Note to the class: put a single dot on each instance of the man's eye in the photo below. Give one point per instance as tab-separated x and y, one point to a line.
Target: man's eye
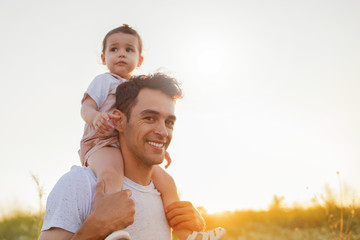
170	123
149	118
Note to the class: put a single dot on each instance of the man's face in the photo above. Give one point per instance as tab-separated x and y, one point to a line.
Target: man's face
148	132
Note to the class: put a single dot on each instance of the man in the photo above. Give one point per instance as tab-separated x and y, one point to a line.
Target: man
77	208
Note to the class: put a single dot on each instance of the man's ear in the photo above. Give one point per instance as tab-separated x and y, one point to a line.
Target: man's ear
119	121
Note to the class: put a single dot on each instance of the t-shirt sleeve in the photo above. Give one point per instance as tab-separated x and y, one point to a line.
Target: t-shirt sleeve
99	89
68	204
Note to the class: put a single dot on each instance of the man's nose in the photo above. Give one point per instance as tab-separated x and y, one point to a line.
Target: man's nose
161	129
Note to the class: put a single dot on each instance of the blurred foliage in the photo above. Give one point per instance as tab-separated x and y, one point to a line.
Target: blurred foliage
323	221
316	223
20	226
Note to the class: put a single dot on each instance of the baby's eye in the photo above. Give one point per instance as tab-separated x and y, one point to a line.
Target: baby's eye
113	50
130	50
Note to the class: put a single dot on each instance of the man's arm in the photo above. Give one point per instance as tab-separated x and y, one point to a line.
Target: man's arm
56	233
104	219
91	229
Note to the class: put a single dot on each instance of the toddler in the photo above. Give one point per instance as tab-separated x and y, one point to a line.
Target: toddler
99	147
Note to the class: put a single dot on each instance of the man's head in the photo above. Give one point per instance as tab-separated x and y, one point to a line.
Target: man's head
126	93
146	105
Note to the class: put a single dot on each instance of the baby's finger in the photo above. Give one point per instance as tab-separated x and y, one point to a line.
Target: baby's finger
105	117
113	116
108	126
99	129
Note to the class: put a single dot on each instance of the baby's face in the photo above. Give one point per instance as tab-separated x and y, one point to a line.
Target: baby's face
122	55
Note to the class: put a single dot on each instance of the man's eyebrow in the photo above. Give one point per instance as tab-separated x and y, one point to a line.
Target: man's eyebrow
150	111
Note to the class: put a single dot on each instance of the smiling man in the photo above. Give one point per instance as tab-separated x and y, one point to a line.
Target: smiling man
78	208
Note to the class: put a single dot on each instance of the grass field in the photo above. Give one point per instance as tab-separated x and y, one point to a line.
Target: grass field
316	223
327	220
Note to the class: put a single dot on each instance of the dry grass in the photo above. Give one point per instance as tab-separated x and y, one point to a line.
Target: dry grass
327	219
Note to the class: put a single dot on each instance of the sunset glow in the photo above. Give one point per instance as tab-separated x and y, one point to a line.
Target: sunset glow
271	102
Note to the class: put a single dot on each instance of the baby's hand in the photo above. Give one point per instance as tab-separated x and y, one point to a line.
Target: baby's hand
102	122
168	159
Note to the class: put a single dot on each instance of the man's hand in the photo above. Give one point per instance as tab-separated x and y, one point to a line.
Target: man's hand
116	209
183	215
111	212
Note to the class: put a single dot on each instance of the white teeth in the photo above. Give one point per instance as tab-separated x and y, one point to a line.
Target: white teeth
159	145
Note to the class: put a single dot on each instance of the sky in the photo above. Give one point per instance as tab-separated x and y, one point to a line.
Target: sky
271	103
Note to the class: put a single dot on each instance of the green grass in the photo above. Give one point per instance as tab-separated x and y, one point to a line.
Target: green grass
20	226
316	223
329	220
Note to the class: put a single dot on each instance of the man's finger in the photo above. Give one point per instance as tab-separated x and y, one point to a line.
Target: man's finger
186	225
178	211
178	204
176	220
128	192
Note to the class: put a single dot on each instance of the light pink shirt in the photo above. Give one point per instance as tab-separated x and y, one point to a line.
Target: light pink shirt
102	90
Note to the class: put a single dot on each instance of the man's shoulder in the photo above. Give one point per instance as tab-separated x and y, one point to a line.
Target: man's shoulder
77	177
78	172
77	185
70	201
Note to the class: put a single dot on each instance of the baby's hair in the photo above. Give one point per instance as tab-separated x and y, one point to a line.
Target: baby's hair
123	29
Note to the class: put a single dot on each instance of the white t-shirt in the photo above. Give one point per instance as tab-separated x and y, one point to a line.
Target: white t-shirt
70	203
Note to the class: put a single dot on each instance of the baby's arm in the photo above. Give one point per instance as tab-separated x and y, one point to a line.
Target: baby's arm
91	115
106	162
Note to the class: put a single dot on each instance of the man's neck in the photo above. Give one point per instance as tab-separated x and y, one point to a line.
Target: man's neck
137	171
138	174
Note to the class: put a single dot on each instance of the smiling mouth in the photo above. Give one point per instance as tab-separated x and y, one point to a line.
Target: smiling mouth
157	145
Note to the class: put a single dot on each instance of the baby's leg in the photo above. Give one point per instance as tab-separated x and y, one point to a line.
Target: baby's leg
165	184
107	164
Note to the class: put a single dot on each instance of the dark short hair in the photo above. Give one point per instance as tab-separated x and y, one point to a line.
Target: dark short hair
127	92
123	29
